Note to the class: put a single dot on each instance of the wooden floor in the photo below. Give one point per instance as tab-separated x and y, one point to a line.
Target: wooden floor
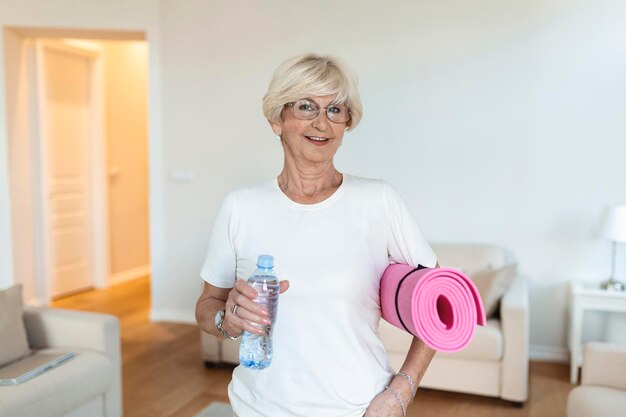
163	373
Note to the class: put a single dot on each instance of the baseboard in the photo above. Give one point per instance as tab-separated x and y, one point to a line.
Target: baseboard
173	316
542	353
130	274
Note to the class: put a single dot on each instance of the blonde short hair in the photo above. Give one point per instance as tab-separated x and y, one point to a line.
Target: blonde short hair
311	75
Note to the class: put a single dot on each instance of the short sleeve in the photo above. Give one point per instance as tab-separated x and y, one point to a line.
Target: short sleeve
221	259
405	243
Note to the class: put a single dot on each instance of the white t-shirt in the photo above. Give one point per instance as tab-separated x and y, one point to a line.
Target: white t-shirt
328	357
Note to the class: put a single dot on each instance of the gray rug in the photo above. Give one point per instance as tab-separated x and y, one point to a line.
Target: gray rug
216	410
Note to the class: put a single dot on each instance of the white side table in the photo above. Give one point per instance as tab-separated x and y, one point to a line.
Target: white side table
588	298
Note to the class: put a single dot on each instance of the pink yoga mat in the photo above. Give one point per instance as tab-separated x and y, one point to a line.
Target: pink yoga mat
440	306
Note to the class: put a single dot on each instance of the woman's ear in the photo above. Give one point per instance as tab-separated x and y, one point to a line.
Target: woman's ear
277	128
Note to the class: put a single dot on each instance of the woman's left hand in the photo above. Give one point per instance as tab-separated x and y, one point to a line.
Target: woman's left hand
383	405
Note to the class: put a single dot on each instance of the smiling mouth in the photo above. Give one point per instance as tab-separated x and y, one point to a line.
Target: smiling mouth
317	139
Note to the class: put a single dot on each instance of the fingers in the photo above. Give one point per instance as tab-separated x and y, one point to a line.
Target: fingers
244	289
250	316
250	319
244	297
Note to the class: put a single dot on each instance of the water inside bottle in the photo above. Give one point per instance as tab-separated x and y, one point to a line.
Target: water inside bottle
256	351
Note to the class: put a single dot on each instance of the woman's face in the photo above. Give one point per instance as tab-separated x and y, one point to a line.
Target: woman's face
310	141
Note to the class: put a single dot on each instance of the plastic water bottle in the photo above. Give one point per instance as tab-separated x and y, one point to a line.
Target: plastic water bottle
255	351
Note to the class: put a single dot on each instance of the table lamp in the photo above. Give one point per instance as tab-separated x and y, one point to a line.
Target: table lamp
614	229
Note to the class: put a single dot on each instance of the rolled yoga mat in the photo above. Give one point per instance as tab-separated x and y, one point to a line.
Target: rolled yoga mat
441	306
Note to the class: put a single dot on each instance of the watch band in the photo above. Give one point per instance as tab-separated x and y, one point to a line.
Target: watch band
222	330
226	334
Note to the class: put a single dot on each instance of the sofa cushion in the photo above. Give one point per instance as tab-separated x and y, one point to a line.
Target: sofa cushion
591	401
61	389
487	343
492	284
472	257
13	341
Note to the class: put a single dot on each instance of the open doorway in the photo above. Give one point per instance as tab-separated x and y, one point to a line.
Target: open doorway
78	159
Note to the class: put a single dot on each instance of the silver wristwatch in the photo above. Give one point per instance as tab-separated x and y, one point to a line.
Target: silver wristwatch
219	320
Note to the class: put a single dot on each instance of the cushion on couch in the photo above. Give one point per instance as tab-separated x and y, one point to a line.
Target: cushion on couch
492	284
471	258
13	341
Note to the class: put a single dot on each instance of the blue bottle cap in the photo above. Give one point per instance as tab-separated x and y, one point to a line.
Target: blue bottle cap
265	261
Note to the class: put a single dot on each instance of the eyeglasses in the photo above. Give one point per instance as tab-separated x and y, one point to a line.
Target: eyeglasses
307	109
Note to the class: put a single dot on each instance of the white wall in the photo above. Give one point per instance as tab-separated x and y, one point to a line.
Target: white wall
498	121
20	176
6	247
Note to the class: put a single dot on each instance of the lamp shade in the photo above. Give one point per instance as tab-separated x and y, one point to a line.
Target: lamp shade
614	223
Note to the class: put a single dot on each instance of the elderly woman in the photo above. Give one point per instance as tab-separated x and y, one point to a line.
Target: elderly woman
332	235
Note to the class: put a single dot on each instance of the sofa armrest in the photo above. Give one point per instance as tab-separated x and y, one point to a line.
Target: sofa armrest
59	328
515	318
604	364
69	329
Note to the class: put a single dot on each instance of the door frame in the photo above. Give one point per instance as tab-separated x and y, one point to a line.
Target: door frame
97	161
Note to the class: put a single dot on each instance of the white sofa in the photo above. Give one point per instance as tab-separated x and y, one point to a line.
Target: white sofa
494	364
88	385
603	387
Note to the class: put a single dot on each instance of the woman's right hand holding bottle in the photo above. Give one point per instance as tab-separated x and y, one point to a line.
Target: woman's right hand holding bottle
243	313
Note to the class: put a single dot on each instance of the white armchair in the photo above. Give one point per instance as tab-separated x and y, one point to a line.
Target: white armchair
89	385
495	363
603	387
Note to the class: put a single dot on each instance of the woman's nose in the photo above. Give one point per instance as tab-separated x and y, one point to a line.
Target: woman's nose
321	121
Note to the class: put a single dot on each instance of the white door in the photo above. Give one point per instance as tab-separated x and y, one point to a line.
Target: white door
65	131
